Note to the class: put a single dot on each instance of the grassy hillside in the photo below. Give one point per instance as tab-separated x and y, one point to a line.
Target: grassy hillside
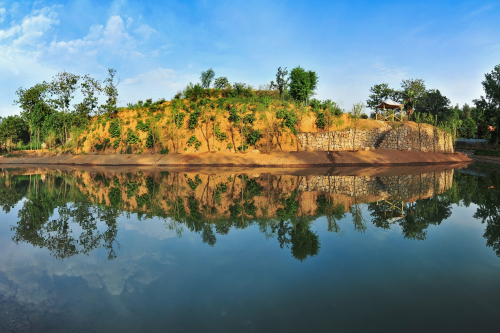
210	124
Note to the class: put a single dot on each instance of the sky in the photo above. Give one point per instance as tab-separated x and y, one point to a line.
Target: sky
158	47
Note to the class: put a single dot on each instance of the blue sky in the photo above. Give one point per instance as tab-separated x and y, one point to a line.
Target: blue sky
160	46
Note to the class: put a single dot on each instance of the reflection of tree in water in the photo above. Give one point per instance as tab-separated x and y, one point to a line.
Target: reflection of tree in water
333	212
303	241
413	217
488	210
213	205
36	227
12	190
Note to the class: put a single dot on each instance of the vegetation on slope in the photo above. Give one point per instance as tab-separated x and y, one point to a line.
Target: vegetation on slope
217	115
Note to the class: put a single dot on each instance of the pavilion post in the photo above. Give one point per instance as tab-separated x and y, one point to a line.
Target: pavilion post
384	112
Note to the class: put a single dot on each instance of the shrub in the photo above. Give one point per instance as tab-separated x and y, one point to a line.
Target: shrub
315	104
179	119
194	92
194	141
193	119
149	140
253	136
164	150
234	117
141	126
289	119
245	147
249	118
132	137
115	129
219	135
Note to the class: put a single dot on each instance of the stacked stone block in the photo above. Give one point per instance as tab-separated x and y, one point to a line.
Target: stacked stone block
427	139
402	187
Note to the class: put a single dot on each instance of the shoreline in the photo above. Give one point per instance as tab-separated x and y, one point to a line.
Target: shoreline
321	159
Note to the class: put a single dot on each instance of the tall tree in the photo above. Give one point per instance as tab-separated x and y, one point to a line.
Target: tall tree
111	91
412	92
490	103
435	103
90	88
12	130
207	77
33	104
379	93
221	83
302	84
467	110
63	87
282	80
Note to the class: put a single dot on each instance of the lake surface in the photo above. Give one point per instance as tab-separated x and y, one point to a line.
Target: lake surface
99	250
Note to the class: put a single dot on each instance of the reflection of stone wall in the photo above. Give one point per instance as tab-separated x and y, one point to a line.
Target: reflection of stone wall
404	137
403	187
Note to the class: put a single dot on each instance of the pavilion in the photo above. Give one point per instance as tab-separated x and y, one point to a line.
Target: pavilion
391	105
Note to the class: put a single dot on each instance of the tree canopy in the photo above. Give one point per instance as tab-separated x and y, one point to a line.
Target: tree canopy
302	83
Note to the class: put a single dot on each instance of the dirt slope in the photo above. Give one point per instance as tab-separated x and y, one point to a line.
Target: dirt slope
377	157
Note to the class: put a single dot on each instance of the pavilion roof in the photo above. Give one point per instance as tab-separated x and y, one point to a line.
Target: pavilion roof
389	104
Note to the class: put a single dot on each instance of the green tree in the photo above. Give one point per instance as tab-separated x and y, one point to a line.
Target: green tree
282	80
467	110
412	92
435	103
12	130
207	77
64	86
379	93
33	104
302	83
221	83
111	91
489	105
470	128
90	88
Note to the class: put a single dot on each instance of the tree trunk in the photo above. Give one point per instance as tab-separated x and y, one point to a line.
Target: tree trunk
205	135
177	137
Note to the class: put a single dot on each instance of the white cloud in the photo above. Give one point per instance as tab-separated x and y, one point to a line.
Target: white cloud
129	22
111	39
36	25
145	31
10	32
23	266
2	14
157	83
114	33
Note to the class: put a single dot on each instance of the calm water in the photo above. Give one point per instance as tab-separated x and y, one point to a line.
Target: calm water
165	251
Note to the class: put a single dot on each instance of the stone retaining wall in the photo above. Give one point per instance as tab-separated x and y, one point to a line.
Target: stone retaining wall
427	138
401	187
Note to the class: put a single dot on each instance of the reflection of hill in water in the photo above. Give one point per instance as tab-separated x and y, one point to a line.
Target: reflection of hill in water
257	195
284	206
